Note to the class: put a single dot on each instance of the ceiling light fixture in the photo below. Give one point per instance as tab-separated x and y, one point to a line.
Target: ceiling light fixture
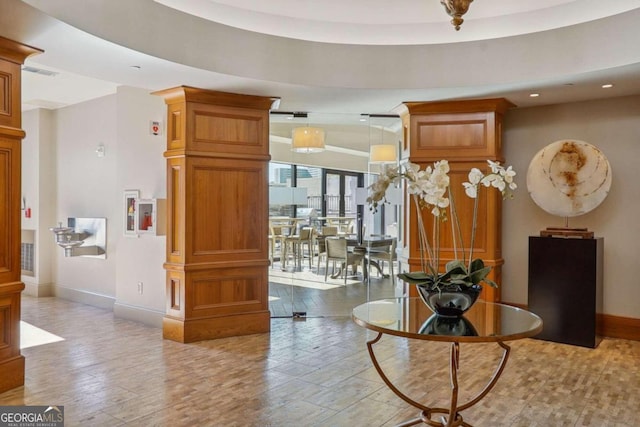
607	86
383	153
534	95
307	140
455	9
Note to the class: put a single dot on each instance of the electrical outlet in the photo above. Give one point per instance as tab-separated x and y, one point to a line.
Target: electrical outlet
140	288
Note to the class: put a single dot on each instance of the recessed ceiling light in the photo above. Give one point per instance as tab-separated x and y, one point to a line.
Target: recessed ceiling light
607	86
534	95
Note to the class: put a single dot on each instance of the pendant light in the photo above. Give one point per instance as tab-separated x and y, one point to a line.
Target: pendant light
307	139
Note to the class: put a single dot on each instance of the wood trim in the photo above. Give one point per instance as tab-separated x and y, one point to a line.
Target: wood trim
498	105
196	266
227	99
186	331
193	153
608	325
10	132
12	370
15	52
627	328
5	93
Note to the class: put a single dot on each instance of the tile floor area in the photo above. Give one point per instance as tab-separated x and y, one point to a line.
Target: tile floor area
307	291
312	372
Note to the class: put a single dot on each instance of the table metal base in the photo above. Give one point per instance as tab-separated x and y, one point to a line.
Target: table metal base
365	270
444	417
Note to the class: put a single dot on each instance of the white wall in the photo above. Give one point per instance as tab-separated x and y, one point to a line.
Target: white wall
141	166
612	125
46	199
78	183
39	193
86	188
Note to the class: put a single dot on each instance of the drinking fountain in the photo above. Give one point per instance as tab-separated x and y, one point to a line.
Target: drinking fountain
68	244
82	237
60	232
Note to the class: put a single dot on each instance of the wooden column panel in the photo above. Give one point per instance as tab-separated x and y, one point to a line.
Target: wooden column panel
217	201
223	201
467	134
12	56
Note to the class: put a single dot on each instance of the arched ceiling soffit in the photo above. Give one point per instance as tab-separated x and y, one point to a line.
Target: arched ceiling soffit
150	27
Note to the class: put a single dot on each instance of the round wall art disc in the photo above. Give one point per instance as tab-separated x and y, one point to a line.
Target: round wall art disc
569	178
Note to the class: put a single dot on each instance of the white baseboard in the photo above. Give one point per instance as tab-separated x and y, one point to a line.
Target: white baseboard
84	297
143	315
38	290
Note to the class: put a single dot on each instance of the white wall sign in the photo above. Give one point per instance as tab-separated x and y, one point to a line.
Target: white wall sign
155	127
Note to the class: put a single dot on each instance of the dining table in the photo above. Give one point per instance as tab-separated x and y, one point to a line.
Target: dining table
364	246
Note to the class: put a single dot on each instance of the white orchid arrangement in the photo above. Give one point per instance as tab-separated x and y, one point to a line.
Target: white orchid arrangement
430	189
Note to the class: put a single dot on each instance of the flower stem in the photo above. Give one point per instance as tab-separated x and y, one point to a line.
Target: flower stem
436	241
473	227
426	254
456	230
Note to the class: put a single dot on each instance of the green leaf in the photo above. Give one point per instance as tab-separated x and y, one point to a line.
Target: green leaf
490	282
476	264
456	274
453	264
479	275
417	277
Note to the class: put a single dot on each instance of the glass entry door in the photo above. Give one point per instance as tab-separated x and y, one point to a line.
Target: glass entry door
315	190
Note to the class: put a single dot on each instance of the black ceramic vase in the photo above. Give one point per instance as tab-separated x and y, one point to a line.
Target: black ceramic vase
449	301
449	326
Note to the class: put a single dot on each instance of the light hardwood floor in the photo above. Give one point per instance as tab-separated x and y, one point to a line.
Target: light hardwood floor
311	372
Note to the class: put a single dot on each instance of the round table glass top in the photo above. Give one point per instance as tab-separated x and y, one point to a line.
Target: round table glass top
411	318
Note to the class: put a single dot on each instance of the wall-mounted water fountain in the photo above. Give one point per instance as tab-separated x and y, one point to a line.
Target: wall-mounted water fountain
82	237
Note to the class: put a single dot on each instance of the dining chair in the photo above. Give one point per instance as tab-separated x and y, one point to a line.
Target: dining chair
337	250
327	231
385	254
296	244
276	243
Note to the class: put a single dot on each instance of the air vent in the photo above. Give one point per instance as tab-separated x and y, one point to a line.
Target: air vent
40	71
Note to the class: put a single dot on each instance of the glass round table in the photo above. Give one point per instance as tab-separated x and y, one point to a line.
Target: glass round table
410	318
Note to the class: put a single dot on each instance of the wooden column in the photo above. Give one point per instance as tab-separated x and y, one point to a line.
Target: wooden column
467	134
12	56
217	214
